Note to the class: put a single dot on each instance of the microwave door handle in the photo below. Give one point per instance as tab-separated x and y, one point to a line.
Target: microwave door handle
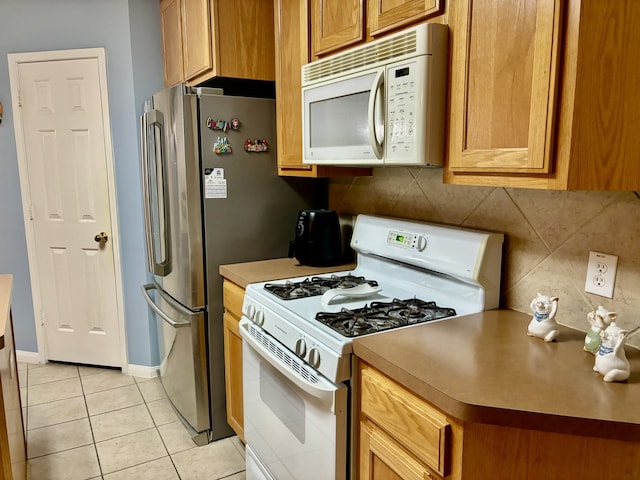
375	97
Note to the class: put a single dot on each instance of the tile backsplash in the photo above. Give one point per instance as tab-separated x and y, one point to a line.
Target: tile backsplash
548	234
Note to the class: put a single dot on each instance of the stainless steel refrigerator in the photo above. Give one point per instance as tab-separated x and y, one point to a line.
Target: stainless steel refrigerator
212	196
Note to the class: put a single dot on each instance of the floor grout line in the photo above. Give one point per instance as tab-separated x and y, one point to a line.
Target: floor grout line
155	426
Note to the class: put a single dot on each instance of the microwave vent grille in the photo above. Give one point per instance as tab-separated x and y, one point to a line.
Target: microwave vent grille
380	51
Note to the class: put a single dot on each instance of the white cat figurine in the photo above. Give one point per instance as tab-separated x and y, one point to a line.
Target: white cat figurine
543	324
599	319
611	360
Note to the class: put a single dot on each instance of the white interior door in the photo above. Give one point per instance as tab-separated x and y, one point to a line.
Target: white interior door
64	140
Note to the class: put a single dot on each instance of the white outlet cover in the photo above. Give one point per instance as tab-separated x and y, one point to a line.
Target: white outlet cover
601	274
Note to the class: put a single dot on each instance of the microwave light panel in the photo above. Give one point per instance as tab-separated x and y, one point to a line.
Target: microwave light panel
402	45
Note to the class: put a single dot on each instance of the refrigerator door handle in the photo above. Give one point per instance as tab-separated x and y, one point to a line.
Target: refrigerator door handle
161	314
154	196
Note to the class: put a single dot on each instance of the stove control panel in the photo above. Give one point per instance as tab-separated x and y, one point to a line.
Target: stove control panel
407	240
306	343
255	314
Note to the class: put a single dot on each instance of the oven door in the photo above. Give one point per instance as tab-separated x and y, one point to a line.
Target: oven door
295	421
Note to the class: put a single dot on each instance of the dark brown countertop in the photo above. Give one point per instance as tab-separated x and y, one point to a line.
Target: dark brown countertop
484	368
245	273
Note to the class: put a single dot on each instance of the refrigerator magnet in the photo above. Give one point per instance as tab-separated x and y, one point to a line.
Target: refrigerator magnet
217	124
233	124
222	145
258	145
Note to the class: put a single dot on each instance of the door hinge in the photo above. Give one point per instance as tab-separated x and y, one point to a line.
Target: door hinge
41	318
31	212
19	99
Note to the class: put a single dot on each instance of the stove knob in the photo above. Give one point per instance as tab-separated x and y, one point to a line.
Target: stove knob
259	318
301	347
251	311
314	357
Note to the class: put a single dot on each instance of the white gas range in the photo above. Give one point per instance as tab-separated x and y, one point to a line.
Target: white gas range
298	333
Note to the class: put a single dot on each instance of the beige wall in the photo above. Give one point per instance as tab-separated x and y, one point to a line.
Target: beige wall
548	234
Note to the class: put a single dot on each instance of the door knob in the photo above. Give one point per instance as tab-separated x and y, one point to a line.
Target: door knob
101	237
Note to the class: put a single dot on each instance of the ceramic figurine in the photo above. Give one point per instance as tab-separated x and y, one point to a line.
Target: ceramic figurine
543	324
611	360
599	320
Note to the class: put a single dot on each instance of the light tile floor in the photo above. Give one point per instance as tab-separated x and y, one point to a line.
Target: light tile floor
86	423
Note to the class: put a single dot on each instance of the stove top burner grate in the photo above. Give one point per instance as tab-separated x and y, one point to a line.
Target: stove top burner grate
314	286
379	316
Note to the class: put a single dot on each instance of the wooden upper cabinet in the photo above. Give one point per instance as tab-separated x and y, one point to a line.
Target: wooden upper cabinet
292	47
171	20
503	85
202	39
544	94
336	24
196	38
385	15
244	39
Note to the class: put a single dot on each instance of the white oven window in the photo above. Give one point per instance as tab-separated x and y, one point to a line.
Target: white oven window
296	428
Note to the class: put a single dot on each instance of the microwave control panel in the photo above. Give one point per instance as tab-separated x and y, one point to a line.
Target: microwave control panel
405	109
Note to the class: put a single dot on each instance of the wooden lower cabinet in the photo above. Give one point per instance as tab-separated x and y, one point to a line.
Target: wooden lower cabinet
13	453
383	458
402	436
232	299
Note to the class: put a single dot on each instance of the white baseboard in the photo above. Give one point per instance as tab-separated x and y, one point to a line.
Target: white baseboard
28	357
140	371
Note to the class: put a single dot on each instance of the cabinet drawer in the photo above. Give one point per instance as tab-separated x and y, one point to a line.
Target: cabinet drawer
232	296
415	424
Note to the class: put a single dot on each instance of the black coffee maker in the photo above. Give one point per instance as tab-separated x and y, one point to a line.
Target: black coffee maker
318	241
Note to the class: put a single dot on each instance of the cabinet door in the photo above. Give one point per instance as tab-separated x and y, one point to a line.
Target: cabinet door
292	47
12	437
387	15
412	422
244	39
292	51
336	24
196	34
233	374
381	458
232	299
171	21
504	85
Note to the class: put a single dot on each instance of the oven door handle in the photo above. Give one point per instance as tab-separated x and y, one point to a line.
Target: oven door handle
321	390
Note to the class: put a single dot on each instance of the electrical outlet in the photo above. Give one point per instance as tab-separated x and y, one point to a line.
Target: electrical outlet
601	274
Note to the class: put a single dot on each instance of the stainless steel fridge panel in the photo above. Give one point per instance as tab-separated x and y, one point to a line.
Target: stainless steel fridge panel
190	233
171	180
183	358
254	220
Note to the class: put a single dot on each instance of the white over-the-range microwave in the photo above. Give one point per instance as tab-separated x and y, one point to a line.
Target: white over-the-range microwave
378	104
